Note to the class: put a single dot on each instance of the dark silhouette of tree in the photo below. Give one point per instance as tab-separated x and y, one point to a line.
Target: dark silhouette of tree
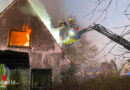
114	66
81	51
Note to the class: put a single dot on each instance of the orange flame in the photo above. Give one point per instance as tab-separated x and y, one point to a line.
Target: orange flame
21	38
27	29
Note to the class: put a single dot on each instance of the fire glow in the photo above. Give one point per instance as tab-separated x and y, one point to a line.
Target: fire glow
20	37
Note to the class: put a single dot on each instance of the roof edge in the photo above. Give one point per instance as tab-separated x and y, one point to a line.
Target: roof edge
8	7
14	1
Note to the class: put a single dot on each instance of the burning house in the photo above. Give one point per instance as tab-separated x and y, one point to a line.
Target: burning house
24	35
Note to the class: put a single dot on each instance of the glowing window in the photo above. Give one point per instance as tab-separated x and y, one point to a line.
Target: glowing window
20	38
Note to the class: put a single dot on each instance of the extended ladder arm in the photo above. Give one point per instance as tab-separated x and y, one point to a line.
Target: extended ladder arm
99	28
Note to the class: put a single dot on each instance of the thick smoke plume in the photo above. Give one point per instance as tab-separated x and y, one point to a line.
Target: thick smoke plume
49	12
56	10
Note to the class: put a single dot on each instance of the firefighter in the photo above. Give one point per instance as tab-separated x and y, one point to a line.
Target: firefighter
61	24
71	22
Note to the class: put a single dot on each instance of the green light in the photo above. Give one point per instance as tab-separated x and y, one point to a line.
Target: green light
68	41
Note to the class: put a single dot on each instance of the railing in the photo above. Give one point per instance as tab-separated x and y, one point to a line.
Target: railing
115	37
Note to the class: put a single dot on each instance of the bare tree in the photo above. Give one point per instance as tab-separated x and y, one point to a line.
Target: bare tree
81	51
101	14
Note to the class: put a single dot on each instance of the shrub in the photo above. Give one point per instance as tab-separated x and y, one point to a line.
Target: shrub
102	82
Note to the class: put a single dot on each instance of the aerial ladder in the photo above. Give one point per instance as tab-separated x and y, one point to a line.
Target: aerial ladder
76	34
99	28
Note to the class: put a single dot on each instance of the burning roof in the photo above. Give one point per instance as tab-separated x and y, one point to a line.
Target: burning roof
14	17
18	22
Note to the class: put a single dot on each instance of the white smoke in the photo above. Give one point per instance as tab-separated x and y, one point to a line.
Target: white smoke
39	7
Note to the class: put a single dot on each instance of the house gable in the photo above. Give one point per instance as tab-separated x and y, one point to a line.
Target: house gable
43	47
